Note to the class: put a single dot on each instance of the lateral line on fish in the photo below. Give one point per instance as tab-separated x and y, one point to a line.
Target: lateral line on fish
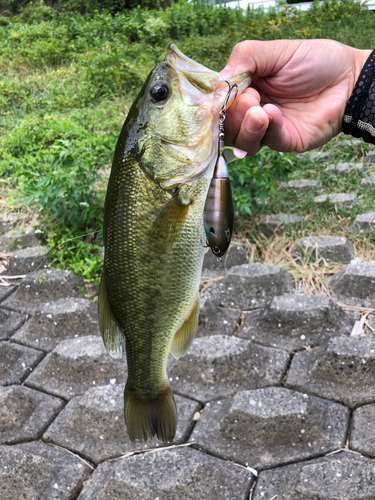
25	277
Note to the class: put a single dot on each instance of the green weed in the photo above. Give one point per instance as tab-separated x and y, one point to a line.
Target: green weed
69	75
253	178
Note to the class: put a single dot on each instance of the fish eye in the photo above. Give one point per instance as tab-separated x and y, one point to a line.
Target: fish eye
216	249
159	91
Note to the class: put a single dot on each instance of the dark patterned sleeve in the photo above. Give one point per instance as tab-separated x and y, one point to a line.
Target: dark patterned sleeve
359	117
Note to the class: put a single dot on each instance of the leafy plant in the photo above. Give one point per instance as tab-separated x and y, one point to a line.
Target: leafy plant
65	193
70	71
81	254
68	206
253	178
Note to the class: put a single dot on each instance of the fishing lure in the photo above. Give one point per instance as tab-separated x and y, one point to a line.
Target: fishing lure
219	208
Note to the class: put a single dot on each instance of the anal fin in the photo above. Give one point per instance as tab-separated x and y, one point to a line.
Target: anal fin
111	332
185	335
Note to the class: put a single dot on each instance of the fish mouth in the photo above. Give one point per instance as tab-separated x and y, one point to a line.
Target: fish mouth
184	62
203	79
204	90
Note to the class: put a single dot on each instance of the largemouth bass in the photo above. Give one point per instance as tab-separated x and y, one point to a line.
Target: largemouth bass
154	233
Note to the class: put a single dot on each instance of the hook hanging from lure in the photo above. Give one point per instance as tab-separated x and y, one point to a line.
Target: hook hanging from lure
219	208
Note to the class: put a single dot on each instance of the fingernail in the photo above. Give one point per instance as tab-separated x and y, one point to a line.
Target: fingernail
239	153
227	72
253	125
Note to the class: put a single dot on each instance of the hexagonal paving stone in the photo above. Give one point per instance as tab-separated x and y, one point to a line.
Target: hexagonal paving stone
272	224
43	286
317	156
235	256
74	366
344	167
370	157
26	260
363	222
347	143
213	266
343	476
355	283
342	369
344	199
9	221
371	324
219	366
10	321
17	239
332	248
94	426
368	181
216	320
55	321
6	291
303	185
249	286
294	321
271	426
176	474
25	413
16	362
362	434
31	471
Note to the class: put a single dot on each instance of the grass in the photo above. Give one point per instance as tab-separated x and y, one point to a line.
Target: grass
68	80
324	218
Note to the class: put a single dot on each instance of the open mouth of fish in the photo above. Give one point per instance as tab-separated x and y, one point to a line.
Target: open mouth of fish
202	88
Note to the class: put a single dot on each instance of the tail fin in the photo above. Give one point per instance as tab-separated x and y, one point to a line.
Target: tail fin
145	418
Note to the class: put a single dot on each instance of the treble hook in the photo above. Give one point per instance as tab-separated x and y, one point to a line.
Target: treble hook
226	100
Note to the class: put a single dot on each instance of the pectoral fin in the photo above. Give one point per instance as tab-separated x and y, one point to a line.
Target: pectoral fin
170	221
185	335
111	332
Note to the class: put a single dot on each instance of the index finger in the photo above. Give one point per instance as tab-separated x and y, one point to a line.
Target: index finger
261	58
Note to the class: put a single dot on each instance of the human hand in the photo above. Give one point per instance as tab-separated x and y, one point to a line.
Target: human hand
298	95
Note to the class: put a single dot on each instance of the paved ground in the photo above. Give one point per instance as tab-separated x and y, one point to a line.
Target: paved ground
276	397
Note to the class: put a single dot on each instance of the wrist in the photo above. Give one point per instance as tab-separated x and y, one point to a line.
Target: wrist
359	117
360	58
